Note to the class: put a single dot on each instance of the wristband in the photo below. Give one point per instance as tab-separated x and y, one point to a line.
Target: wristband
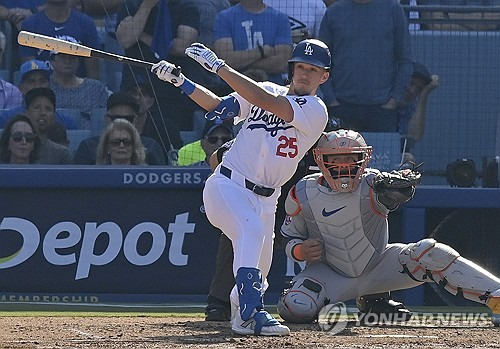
187	86
297	252
261	49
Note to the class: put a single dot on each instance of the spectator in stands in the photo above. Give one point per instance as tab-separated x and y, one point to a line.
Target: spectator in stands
73	92
108	10
16	11
40	108
120	144
149	122
60	20
35	74
251	35
19	143
478	18
305	16
58	134
10	96
213	136
120	105
412	108
208	10
152	30
371	53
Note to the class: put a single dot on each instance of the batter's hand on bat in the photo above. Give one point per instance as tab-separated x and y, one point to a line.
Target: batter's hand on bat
311	250
205	56
166	71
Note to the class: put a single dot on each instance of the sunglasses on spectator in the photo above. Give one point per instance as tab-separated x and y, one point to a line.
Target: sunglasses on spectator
129	118
118	141
214	139
18	136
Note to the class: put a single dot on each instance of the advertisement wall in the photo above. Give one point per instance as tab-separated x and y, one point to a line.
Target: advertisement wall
140	234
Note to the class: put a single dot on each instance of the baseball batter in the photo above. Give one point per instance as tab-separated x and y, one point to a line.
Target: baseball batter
337	222
280	124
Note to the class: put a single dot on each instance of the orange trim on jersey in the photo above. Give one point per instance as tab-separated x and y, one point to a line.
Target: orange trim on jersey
293	196
372	205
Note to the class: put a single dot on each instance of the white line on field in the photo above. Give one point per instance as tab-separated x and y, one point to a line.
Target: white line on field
91	335
395	336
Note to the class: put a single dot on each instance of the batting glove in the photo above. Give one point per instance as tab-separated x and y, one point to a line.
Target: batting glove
165	71
206	57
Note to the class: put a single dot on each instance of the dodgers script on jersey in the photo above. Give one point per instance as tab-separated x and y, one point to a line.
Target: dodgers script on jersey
268	149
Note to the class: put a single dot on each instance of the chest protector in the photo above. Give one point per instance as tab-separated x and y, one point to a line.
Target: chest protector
352	225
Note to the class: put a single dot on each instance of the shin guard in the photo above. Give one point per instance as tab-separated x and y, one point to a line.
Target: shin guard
249	285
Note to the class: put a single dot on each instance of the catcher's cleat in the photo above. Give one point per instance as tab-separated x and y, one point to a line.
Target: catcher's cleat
494	304
217	311
382	310
260	324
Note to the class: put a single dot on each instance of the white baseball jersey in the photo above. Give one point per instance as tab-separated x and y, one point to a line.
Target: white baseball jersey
267	149
352	226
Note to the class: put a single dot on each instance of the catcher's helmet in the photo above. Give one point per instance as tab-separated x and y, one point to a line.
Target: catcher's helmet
310	51
340	175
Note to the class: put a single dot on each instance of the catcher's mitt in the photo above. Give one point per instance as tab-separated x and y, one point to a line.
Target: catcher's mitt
396	186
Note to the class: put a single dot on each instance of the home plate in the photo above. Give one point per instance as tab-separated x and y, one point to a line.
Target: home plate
395	336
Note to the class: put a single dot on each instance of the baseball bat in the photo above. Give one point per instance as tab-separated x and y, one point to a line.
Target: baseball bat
44	42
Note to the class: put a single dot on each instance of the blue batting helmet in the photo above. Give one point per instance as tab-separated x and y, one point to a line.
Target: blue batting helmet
311	51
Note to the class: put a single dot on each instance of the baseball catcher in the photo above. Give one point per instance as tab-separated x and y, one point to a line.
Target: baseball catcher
337	223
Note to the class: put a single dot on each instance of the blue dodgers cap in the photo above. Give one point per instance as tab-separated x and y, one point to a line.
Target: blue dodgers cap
33	65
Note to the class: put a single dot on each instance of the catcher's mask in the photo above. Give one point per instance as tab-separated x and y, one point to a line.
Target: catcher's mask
342	157
311	51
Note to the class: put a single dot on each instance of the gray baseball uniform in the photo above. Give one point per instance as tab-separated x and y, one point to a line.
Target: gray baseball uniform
356	258
353	227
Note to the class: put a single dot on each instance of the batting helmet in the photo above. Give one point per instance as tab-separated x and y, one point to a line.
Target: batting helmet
310	51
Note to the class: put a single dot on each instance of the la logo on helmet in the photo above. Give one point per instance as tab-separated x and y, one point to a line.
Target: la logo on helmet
308	50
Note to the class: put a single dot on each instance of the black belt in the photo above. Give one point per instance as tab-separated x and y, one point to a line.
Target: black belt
262	191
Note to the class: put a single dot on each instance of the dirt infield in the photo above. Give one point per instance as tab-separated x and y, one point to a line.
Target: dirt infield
163	332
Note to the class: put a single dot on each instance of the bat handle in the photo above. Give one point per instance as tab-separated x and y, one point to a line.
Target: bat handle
177	71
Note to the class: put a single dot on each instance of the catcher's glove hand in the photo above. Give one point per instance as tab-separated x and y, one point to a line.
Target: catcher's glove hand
397	186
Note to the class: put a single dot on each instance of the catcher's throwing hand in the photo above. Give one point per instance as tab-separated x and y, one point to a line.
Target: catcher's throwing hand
311	250
165	71
205	56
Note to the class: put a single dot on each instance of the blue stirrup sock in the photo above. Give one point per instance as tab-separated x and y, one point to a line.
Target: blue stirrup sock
249	284
263	319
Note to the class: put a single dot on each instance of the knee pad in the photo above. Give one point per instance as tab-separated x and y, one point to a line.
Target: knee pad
302	302
420	260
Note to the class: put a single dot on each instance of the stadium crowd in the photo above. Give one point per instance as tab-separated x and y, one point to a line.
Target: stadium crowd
255	37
